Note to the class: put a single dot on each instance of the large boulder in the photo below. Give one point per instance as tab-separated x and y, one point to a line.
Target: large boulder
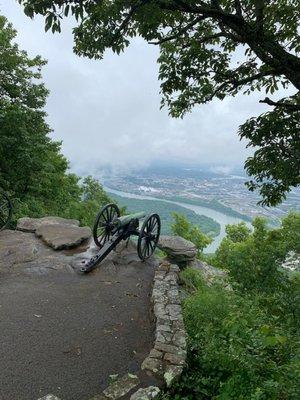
27	224
178	250
63	236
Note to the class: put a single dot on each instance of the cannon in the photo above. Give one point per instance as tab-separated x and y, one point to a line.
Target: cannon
5	210
111	228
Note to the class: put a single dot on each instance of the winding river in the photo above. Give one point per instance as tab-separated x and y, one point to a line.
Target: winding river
218	216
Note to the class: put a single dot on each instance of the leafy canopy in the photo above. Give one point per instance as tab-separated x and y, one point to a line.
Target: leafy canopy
182	227
243	340
208	49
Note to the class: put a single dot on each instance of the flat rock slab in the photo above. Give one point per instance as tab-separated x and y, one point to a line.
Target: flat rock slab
22	252
177	248
60	236
27	224
65	333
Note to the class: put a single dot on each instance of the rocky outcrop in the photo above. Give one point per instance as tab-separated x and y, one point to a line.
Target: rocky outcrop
292	262
62	236
58	233
27	224
209	273
24	251
178	250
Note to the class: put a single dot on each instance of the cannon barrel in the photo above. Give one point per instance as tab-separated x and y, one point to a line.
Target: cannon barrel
125	219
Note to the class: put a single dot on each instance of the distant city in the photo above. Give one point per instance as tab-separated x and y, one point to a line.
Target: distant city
203	187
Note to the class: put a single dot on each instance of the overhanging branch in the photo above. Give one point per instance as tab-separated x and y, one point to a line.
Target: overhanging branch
280	103
180	31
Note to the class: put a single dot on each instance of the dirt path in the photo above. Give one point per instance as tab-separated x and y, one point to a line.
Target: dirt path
64	333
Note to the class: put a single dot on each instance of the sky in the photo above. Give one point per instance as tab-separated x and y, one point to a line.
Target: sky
107	112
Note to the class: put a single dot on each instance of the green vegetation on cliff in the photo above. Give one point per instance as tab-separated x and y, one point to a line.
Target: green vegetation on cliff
243	341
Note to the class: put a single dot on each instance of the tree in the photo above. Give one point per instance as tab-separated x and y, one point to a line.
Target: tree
32	168
200	42
182	227
252	259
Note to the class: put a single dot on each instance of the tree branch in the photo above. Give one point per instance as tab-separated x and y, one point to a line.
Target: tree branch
238	8
280	103
180	31
235	83
259	13
126	20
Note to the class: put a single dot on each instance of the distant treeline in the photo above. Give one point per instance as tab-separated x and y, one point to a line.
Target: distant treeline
165	210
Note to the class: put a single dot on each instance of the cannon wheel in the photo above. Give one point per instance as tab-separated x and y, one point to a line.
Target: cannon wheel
5	210
103	226
148	237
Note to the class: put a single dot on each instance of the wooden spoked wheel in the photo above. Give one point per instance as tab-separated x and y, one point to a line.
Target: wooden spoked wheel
5	210
148	237
104	224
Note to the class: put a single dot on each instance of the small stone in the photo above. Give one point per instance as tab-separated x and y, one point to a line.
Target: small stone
163	328
159	310
167	348
163	320
179	339
164	337
172	373
98	397
155	354
148	393
174	268
177	324
121	386
164	266
173	309
174	359
160	274
152	364
49	397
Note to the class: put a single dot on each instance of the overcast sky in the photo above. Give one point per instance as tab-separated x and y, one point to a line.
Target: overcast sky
107	111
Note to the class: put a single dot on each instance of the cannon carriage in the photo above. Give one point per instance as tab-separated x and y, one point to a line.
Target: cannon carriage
111	228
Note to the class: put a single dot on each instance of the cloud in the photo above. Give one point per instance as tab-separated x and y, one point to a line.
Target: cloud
107	112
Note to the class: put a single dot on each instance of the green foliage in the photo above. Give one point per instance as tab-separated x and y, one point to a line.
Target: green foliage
182	227
237	349
165	210
243	342
252	259
275	165
93	198
237	233
200	43
32	169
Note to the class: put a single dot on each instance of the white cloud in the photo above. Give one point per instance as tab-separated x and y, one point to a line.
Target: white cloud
107	112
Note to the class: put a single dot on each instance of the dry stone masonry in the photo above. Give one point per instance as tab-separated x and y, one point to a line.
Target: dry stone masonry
168	356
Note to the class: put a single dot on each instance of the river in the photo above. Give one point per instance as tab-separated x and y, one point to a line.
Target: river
218	216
